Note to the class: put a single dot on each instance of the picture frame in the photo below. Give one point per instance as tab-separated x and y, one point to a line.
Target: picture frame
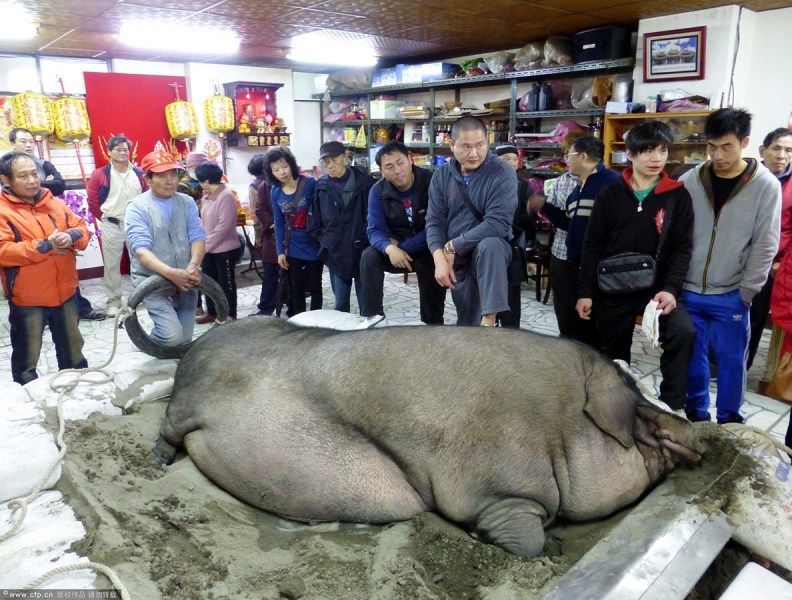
675	55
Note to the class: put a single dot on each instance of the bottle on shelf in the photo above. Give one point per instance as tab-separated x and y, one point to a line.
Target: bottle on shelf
533	97
546	96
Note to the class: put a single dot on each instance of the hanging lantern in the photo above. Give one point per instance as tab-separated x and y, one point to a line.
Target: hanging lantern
71	119
219	114
182	120
32	111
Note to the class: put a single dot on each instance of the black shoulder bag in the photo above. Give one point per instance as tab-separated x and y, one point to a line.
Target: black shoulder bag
517	271
629	271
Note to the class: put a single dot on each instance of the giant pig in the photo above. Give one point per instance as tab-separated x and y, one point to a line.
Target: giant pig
498	430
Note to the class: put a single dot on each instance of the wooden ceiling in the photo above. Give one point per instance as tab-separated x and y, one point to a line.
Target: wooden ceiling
413	30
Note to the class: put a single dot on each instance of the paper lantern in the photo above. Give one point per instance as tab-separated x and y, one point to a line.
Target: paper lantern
219	113
32	111
71	119
182	120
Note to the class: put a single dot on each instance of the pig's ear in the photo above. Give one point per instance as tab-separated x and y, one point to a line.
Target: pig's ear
611	404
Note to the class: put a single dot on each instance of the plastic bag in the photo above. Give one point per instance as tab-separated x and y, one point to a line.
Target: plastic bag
562	129
500	62
350	80
581	94
529	56
557	51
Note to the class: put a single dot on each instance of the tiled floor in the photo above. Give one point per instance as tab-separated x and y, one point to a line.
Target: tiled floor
401	305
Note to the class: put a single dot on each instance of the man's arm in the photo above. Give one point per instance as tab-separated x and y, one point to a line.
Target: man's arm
53	180
94	202
315	223
377	228
764	241
593	247
500	202
436	214
678	247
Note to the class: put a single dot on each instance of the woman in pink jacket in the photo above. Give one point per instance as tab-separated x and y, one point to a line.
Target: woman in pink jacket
219	218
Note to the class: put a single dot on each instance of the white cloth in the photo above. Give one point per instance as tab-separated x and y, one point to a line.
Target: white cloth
123	187
651	323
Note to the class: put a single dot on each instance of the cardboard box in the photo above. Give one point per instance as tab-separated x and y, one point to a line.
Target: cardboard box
438	70
408	74
383	77
384	109
618	108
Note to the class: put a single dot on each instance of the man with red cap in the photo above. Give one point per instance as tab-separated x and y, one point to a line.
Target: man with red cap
166	238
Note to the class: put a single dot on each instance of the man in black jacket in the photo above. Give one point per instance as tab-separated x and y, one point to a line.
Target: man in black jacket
628	216
396	218
337	220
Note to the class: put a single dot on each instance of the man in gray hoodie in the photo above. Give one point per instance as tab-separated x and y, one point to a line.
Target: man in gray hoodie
737	207
472	199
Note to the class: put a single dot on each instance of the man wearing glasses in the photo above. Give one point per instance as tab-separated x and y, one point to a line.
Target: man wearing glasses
472	199
337	220
110	189
584	160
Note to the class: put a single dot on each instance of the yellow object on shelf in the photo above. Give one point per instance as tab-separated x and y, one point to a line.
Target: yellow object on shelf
360	140
32	111
182	120
71	119
219	114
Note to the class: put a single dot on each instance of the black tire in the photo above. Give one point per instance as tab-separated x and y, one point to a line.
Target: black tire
155	284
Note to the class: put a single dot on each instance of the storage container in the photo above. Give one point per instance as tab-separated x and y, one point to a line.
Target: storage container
601	43
384	109
408	74
438	70
383	77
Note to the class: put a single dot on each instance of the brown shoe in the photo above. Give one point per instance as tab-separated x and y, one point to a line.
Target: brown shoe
207	318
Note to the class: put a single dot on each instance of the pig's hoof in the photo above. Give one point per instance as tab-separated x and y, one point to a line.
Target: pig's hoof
164	452
514	524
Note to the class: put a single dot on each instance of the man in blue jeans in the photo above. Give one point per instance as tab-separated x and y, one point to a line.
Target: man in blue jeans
165	237
737	207
337	220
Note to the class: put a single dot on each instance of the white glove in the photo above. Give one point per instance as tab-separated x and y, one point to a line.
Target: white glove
651	323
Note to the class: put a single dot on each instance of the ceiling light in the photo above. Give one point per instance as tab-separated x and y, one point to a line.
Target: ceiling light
178	38
333	48
17	23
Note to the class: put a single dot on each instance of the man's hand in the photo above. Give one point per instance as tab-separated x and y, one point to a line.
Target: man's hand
535	204
282	262
185	279
665	302
61	242
398	257
444	269
583	308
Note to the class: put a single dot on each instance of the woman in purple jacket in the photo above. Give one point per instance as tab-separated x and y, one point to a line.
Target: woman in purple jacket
219	218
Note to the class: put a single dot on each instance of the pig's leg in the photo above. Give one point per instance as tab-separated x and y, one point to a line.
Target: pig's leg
515	524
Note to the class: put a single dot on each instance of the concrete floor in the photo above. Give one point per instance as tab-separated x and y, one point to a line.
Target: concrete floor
401	306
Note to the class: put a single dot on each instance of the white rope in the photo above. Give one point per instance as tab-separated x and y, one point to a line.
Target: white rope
21	504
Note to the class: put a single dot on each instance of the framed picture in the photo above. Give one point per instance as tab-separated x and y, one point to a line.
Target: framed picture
675	55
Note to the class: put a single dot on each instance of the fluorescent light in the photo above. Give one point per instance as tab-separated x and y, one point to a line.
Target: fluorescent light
178	38
330	48
17	23
325	57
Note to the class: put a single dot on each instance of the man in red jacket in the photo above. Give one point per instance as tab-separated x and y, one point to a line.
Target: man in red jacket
38	268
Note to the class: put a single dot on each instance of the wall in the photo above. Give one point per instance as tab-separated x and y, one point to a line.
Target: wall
768	89
761	57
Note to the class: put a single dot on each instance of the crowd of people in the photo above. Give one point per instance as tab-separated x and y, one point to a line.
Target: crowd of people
714	241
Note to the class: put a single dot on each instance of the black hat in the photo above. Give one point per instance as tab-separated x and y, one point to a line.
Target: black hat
331	149
506	149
